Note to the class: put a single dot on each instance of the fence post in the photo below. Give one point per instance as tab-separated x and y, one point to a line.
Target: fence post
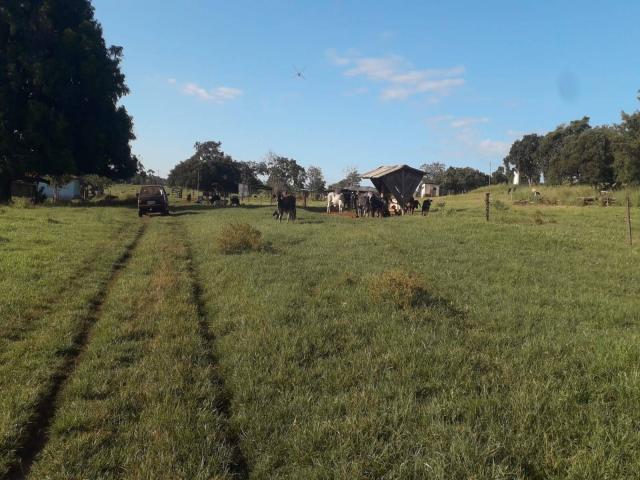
629	218
486	204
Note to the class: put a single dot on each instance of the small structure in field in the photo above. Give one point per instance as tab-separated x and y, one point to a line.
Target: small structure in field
428	190
399	181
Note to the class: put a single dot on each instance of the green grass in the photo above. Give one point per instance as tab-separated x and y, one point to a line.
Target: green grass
564	195
527	367
143	402
510	349
53	263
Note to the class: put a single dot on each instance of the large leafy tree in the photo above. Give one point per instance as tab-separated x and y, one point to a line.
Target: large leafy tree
524	157
461	180
586	157
59	90
351	178
211	169
315	180
552	153
434	172
283	174
627	161
499	176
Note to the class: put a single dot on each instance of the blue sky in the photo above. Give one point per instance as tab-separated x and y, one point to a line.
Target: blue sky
386	82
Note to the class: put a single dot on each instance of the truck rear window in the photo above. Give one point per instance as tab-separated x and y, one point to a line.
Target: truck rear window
151	191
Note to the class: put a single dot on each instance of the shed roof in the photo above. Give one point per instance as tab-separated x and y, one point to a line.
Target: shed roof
386	170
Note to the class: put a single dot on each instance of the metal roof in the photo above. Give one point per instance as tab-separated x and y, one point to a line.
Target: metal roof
386	170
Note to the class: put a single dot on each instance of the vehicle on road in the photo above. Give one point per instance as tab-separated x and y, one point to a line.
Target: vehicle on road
153	198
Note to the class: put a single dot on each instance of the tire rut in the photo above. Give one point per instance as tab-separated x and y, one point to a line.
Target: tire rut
37	432
239	468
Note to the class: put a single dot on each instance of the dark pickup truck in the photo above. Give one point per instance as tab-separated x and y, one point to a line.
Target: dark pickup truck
153	198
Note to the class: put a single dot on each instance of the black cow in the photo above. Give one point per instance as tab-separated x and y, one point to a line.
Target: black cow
215	200
411	205
379	207
286	205
426	205
235	201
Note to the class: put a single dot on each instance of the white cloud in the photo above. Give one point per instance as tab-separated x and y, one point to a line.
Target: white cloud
336	59
468	121
172	81
400	79
439	119
217	95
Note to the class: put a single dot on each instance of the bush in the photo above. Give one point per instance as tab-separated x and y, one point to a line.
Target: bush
500	205
400	289
238	238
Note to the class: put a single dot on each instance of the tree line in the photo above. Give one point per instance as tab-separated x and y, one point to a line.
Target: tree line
577	153
211	169
60	87
454	180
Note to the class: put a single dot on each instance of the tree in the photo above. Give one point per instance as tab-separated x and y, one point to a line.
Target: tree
461	180
209	168
434	172
586	157
627	149
283	174
551	152
59	91
315	180
499	176
524	157
249	174
351	178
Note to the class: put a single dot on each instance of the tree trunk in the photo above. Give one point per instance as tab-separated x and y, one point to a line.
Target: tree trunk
5	188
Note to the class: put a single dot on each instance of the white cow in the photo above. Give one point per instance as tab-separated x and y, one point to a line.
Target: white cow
335	200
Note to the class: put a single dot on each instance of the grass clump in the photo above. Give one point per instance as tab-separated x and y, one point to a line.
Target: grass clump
239	238
401	289
500	205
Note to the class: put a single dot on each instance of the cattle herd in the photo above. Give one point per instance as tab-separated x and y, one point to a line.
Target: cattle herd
371	205
364	204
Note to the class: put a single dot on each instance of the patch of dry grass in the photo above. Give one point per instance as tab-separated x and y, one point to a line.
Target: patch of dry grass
238	238
402	289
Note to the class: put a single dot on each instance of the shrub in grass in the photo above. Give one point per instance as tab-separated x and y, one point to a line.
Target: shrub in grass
500	205
401	289
238	238
21	202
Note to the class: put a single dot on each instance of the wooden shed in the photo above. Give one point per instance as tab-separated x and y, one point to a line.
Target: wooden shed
400	181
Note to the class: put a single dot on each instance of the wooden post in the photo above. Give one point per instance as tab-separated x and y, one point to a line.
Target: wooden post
629	218
486	204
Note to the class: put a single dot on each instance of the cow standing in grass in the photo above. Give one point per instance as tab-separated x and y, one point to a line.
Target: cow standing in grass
426	205
286	206
379	207
363	205
411	205
335	200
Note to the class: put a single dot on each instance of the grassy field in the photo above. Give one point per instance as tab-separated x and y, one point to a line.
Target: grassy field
517	355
